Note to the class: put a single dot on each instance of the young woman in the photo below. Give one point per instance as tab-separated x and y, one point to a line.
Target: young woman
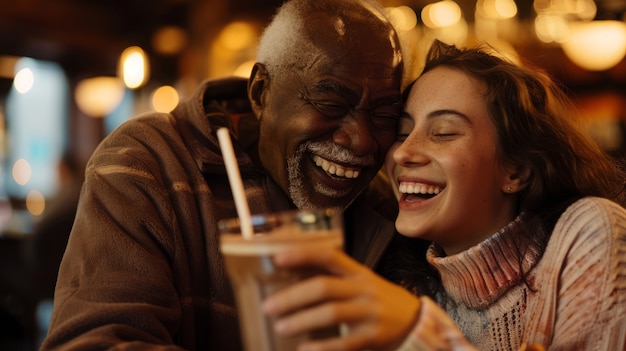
525	215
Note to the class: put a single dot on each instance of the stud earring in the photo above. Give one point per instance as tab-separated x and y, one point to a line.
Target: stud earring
509	189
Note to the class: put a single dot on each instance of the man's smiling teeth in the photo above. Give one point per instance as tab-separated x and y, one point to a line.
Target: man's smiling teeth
336	169
417	188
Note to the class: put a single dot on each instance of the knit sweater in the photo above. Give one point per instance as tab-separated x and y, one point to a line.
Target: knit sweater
577	299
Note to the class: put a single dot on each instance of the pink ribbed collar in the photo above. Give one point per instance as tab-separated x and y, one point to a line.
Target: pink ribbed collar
478	276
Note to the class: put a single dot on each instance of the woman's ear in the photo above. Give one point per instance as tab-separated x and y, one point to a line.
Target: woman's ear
516	179
257	87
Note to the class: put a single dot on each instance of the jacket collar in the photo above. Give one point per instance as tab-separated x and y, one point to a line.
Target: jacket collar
218	103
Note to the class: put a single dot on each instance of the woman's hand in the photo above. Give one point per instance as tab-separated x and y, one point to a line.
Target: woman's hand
379	314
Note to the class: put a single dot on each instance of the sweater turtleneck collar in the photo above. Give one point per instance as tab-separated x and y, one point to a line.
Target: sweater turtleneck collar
479	275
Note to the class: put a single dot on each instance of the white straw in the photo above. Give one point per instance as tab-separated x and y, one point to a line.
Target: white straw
236	185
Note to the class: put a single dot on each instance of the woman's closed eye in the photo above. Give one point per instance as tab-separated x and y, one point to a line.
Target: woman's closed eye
445	135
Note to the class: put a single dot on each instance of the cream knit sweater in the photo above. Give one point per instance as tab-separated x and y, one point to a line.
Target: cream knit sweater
578	301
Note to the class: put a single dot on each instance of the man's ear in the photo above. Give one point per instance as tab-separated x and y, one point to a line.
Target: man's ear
257	88
516	179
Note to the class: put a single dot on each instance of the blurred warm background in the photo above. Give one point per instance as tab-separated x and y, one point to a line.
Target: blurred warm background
72	70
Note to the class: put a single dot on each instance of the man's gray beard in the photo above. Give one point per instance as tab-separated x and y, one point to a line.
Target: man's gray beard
296	187
296	179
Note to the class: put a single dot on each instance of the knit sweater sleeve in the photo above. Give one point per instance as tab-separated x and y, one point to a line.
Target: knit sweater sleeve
586	260
435	330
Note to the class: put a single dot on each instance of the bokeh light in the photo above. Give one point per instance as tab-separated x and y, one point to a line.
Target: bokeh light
98	96
21	171
165	99
134	68
24	80
596	45
441	14
35	202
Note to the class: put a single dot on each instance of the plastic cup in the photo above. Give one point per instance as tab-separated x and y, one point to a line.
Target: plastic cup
254	276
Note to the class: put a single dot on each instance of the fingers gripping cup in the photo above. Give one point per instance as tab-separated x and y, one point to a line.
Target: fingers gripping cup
253	275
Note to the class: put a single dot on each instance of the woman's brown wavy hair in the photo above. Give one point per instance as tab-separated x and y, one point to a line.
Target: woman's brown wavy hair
536	129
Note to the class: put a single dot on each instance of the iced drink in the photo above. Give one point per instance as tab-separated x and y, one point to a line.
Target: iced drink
253	275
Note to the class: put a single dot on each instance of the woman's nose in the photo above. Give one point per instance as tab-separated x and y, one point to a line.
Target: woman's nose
410	152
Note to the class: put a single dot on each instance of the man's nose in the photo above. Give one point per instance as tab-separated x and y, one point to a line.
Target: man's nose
356	134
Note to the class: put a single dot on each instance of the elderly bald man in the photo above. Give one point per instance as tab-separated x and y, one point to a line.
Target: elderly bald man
310	127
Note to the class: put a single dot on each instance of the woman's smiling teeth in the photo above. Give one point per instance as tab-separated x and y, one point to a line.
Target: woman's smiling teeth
419	188
336	169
